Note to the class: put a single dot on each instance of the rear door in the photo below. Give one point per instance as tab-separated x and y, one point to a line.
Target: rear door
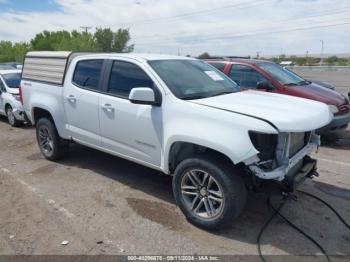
246	76
81	101
130	130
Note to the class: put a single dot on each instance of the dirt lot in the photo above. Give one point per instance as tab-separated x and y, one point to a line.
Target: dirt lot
105	205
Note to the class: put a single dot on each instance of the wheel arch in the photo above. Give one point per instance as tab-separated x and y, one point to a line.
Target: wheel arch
180	150
7	104
40	111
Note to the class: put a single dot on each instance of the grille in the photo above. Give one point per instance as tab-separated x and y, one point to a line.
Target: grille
344	108
297	142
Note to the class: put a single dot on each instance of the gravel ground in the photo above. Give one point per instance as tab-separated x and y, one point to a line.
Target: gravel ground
105	205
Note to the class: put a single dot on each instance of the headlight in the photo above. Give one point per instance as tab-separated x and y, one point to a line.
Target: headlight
265	144
334	109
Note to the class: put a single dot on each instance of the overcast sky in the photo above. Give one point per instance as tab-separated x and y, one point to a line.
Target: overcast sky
221	27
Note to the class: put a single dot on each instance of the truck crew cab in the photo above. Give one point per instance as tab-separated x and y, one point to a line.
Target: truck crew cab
177	115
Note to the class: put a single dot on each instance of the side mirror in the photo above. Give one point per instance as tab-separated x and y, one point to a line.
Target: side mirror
143	96
265	85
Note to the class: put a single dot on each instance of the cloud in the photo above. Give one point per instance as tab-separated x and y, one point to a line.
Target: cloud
242	28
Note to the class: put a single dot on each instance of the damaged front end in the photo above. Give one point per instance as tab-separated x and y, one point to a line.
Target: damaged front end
284	157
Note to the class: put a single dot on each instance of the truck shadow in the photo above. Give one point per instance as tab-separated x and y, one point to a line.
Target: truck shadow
3	119
308	214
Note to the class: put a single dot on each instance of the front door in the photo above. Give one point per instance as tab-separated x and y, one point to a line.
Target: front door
246	76
81	102
130	130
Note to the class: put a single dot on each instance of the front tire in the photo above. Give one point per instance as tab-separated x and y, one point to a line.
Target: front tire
51	145
210	192
11	117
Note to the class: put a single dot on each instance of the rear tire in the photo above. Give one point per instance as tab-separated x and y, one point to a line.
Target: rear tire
209	205
51	145
11	117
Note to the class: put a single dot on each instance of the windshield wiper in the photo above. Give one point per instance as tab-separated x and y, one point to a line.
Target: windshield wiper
291	84
305	82
193	97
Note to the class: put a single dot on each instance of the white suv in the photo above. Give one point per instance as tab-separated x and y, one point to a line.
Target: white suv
177	115
10	104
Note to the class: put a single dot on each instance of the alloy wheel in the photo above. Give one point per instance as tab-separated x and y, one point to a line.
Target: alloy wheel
202	194
10	116
45	140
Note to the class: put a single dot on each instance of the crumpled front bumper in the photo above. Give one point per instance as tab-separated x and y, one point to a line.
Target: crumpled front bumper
280	172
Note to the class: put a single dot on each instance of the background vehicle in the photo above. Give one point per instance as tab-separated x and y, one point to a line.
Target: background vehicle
176	115
313	81
322	83
10	65
10	104
268	76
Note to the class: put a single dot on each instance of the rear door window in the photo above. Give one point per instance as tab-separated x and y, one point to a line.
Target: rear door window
126	76
87	74
246	76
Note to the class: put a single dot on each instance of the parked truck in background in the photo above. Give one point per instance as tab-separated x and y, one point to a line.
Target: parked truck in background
177	115
267	76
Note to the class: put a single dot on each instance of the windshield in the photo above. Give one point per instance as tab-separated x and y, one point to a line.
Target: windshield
193	79
283	75
12	80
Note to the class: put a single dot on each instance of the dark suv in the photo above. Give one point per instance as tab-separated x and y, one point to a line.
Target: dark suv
268	76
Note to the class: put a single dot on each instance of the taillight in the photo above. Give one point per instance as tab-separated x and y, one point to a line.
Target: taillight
20	95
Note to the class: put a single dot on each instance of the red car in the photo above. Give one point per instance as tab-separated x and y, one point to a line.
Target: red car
268	76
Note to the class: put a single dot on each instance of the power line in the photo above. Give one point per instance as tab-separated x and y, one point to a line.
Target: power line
268	24
263	33
203	11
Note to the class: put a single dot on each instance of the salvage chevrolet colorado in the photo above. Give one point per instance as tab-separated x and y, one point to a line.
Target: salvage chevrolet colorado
177	115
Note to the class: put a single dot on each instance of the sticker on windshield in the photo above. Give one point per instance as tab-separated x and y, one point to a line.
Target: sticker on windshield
213	75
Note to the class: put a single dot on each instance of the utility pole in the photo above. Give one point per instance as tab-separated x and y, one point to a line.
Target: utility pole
86	28
257	54
322	46
307	57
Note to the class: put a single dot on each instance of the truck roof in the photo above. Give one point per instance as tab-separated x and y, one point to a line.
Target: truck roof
50	67
241	60
137	56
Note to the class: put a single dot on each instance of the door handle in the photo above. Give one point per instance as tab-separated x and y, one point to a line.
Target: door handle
71	98
108	107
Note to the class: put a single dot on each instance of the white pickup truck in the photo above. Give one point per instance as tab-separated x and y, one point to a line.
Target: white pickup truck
177	115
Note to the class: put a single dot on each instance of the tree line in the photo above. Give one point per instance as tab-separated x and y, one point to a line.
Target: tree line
298	60
103	40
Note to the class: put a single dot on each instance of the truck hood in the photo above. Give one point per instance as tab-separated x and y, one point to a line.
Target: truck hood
286	113
317	92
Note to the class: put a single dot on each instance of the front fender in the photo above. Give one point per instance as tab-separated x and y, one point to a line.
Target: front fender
222	131
245	149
